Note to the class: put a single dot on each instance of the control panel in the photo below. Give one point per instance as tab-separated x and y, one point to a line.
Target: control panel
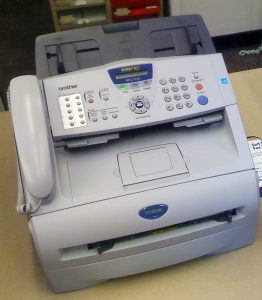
135	93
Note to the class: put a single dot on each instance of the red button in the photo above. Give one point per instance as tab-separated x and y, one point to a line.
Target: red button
199	86
91	100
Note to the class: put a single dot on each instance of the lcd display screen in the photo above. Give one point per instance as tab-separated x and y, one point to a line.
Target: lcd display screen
133	74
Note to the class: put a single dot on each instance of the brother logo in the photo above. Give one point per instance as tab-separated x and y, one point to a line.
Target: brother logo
153	212
67	87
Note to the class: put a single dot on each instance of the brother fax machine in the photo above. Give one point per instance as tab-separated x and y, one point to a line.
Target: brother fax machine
131	151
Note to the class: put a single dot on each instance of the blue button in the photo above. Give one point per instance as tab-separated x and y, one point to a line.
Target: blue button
203	100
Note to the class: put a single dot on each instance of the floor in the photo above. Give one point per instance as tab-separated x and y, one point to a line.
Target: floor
236	62
21	24
232	46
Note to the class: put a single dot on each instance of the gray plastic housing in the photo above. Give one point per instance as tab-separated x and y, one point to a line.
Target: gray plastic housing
100	191
73	50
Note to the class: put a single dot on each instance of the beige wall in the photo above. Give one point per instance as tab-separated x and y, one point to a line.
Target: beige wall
222	16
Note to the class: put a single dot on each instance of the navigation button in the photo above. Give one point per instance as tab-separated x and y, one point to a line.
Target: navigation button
132	105
139	104
137	97
147	103
140	110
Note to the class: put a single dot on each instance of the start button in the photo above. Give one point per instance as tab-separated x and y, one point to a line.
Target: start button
202	100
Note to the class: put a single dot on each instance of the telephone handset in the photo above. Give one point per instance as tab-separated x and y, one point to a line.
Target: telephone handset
32	135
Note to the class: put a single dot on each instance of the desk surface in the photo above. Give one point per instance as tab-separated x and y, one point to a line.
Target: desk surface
234	275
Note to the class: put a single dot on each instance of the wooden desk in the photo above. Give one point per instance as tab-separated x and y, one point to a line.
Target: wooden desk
234	275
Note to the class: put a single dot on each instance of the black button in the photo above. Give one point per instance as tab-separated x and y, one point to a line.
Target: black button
139	104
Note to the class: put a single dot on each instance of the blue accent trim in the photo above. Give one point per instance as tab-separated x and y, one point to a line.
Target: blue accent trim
153	212
224	80
202	100
133	73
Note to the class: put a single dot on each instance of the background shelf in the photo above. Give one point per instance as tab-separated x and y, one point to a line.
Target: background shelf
69	14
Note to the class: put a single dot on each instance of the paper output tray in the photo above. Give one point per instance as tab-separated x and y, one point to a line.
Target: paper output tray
154	239
88	274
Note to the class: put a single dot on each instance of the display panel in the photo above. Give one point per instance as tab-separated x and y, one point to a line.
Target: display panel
127	74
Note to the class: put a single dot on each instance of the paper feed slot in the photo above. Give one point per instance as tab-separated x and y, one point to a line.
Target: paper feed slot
86	141
104	138
170	235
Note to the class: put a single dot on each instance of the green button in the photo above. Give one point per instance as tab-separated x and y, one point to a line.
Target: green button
122	87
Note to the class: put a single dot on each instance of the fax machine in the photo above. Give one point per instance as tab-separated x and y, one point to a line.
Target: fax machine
131	166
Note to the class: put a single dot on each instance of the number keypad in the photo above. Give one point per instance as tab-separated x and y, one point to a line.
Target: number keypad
72	111
176	88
